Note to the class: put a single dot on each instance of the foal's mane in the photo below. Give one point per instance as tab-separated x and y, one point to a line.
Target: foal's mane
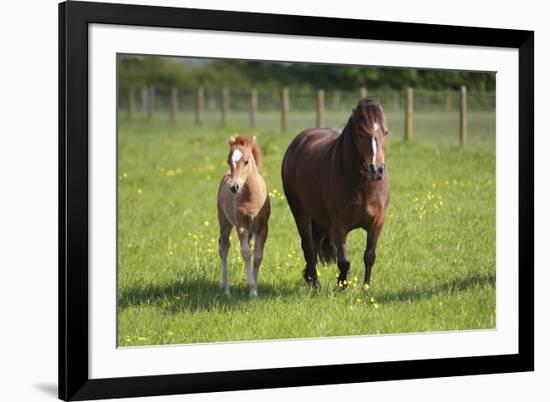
249	142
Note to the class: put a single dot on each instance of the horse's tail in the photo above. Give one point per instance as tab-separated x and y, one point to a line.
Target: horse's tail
326	250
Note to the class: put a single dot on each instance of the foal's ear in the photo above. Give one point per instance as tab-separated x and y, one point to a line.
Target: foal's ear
232	140
352	110
254	139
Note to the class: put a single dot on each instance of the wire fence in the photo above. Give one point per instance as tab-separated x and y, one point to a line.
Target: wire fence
444	117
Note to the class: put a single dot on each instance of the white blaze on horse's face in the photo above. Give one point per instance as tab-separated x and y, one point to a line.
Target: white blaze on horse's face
374	149
238	171
235	157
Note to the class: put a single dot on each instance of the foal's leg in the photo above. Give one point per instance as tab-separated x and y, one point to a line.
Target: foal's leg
369	257
244	239
259	242
342	255
223	247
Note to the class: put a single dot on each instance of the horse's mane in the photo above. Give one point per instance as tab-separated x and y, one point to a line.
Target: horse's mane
367	112
247	141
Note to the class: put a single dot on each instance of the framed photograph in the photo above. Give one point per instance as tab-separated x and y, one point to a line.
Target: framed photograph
227	218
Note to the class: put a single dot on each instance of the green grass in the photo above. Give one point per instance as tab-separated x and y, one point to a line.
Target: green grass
435	268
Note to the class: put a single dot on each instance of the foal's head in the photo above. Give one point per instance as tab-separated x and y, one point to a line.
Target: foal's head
370	128
243	159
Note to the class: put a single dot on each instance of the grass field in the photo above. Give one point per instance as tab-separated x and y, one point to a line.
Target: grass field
435	268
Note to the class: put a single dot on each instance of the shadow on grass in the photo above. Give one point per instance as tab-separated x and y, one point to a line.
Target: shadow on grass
196	295
456	285
202	294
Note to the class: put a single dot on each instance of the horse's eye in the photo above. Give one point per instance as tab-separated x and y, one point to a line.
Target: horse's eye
246	162
386	132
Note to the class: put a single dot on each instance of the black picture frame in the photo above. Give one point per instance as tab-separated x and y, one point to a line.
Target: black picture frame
74	18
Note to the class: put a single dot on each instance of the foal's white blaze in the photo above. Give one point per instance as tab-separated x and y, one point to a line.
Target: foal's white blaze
235	157
374	147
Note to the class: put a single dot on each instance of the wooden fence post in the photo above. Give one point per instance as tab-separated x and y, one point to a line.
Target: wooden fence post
409	114
320	108
225	106
253	107
363	92
463	115
173	104
151	102
131	102
284	109
199	105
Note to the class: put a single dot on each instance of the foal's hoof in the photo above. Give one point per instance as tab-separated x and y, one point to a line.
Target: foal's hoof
253	294
226	292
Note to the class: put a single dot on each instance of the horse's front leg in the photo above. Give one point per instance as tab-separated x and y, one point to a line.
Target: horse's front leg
342	258
369	257
244	239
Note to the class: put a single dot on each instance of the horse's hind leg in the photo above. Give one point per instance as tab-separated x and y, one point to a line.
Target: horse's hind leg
303	223
223	247
310	253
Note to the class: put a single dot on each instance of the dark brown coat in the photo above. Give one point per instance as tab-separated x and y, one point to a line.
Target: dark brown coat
336	182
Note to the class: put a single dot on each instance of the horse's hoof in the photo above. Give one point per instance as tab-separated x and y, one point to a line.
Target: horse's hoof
313	283
342	284
253	294
226	292
365	287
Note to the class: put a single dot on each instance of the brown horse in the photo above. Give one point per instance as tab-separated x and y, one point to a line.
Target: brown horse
243	202
336	181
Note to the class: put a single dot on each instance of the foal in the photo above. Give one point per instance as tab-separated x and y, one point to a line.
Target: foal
243	202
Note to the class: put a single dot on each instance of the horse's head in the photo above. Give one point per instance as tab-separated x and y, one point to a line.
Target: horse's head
371	130
243	160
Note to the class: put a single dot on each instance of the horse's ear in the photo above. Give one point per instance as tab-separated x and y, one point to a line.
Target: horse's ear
232	140
352	110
